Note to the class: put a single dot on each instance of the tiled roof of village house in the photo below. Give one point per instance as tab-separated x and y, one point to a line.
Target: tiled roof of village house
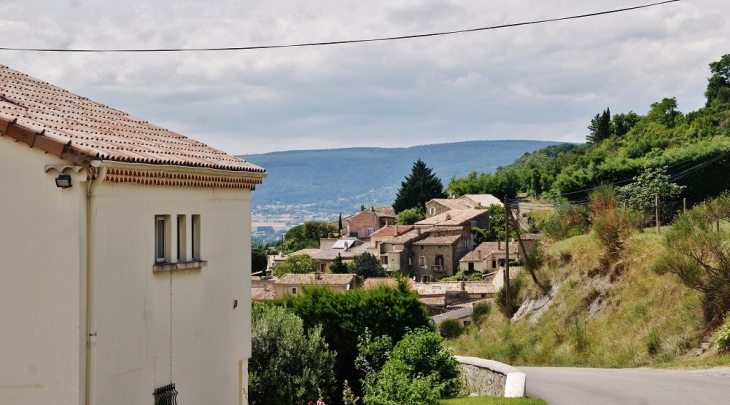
472	287
405	238
451	218
312	279
386	211
484	200
331	253
390	231
262	294
452	203
80	130
488	248
438	240
373	282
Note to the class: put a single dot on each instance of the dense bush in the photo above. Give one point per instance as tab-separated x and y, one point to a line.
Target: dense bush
287	364
345	317
450	328
500	298
480	312
419	371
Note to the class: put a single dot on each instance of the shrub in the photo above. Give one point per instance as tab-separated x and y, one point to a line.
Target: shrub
480	312
419	372
722	336
287	365
515	286
345	317
653	342
450	328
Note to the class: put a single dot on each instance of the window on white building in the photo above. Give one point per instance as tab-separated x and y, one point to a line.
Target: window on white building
195	234
161	238
181	225
422	261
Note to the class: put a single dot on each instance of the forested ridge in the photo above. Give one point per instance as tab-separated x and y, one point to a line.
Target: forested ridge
694	147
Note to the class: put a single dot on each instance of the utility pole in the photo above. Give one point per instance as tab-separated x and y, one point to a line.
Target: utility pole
684	205
656	201
508	300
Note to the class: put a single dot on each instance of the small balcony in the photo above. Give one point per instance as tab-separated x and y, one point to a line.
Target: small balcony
437	268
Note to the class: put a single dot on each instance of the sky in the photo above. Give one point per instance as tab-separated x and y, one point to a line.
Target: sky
541	82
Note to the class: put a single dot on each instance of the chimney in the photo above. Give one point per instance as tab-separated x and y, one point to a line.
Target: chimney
479	254
499	245
396	229
418	231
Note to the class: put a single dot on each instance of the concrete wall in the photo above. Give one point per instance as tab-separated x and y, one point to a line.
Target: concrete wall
489	377
41	278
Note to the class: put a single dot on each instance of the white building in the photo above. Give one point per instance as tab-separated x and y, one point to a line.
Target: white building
125	256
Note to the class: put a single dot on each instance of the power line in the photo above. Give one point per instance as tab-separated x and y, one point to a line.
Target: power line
341	42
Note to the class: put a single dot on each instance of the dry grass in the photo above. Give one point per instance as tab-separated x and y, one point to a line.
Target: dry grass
618	314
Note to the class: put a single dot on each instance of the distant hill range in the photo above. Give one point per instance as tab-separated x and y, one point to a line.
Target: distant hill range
341	180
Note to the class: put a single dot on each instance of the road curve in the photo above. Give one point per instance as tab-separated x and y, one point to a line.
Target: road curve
592	386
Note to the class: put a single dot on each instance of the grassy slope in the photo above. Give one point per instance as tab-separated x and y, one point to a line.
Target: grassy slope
648	320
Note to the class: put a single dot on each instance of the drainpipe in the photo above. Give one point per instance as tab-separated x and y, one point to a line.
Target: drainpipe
91	282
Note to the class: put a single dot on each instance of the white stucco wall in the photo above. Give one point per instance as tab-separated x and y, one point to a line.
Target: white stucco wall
41	276
138	347
149	325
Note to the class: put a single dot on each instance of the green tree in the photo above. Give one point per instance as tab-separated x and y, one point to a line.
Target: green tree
338	266
418	188
367	265
297	264
600	127
622	123
664	112
651	183
287	365
307	235
409	216
718	86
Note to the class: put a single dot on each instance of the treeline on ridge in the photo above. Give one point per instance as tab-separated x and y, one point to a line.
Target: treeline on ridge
693	146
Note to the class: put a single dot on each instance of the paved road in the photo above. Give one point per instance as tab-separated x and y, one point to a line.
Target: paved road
590	386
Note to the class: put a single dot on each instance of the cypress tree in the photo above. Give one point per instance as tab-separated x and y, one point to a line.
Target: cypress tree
418	188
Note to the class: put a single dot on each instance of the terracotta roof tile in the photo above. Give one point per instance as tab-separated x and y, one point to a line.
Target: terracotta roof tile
451	218
312	279
453	204
488	248
373	282
68	121
484	200
438	240
390	230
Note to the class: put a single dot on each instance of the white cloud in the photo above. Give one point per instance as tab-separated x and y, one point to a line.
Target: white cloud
533	82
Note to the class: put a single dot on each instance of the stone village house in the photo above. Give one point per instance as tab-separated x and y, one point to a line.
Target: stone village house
126	256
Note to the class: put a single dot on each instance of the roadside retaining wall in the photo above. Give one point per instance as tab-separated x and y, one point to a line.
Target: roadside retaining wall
489	377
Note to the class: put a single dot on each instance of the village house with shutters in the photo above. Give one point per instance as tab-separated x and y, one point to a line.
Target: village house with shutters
126	257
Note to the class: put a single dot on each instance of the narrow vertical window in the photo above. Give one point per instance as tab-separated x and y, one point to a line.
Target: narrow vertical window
160	240
181	253
195	233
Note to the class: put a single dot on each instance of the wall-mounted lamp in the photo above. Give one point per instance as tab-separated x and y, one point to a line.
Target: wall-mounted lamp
63	181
